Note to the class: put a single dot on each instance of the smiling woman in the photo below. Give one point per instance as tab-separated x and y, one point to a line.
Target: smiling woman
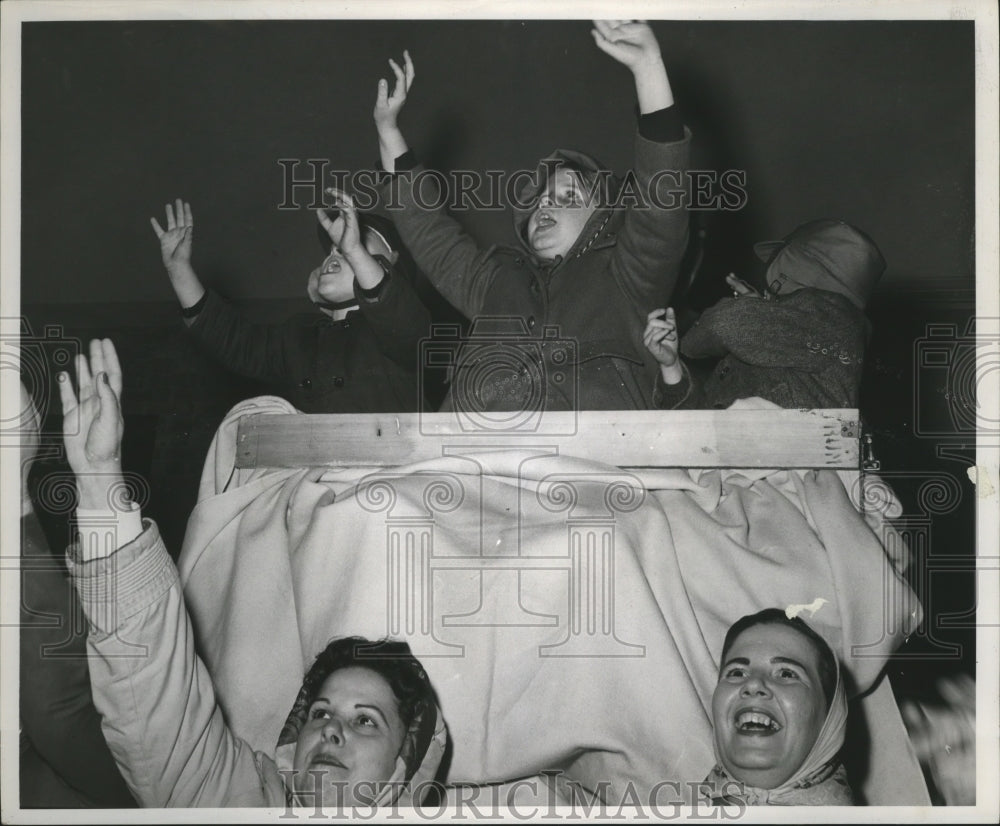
779	711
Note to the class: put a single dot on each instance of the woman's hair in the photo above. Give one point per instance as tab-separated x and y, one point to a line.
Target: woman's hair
775	616
394	662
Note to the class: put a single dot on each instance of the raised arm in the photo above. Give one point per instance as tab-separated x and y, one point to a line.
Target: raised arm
391	143
655	232
385	297
451	259
175	248
249	348
154	694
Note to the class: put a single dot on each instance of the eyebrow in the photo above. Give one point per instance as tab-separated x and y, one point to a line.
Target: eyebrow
376	709
746	661
788	660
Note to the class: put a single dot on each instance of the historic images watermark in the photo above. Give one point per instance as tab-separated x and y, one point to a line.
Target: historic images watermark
548	796
304	185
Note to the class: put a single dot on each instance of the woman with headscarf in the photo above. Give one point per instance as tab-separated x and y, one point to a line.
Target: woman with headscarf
780	712
365	729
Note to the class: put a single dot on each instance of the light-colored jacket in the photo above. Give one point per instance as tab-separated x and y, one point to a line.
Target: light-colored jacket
160	715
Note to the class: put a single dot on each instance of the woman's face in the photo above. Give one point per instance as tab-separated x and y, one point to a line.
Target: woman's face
768	707
349	743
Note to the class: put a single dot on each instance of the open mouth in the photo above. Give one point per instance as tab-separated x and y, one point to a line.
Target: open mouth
756	722
544	222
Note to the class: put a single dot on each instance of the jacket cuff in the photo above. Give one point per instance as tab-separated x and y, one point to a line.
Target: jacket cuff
374	294
406	162
663	125
673	396
117	587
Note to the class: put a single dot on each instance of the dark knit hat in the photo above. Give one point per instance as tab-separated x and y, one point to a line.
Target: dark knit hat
827	254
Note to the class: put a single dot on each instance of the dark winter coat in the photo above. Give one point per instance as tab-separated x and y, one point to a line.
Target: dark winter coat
558	335
365	363
801	350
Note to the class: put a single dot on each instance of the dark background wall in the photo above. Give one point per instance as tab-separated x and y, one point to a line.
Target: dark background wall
873	122
868	121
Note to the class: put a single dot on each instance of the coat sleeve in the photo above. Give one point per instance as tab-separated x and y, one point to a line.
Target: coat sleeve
160	716
765	333
398	317
451	259
685	395
654	235
248	348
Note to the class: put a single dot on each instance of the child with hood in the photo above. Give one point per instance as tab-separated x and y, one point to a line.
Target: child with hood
801	343
365	729
557	322
779	711
358	354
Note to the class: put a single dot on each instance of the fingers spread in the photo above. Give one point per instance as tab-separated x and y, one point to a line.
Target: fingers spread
171	223
157	228
188	215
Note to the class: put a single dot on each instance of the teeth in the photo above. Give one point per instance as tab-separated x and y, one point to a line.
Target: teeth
756	718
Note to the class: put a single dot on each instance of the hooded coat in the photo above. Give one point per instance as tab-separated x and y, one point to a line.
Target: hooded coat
563	334
161	718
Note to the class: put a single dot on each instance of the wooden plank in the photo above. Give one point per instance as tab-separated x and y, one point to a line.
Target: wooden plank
626	438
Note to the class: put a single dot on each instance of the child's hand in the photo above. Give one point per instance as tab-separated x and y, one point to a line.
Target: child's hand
388	106
740	287
92	424
345	231
175	241
630	42
660	336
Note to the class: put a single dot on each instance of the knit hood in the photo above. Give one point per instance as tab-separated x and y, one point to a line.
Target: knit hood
607	188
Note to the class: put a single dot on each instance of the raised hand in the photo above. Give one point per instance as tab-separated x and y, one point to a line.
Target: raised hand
388	106
345	231
175	240
92	423
633	44
630	42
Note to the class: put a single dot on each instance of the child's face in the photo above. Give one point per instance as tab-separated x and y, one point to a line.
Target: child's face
333	281
562	212
352	735
768	707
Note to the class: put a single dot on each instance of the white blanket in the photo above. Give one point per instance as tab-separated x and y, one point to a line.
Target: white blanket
569	614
